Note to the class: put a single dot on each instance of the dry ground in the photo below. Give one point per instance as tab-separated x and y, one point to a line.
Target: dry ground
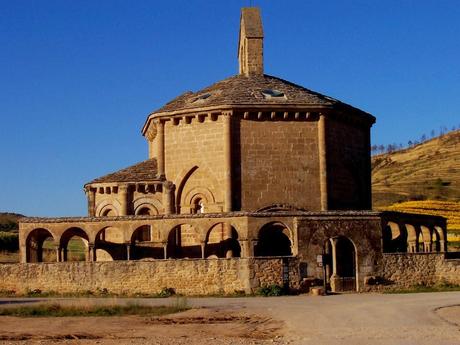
357	319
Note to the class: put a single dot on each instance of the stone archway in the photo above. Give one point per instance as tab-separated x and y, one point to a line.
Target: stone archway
184	242
222	241
274	240
142	245
36	246
74	245
342	270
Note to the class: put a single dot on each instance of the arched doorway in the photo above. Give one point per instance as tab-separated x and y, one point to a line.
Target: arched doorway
143	246
40	246
273	240
341	264
184	242
74	245
222	242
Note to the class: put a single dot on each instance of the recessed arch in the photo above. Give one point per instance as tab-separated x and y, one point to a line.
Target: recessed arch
152	204
274	239
222	241
74	244
184	241
108	208
394	238
34	246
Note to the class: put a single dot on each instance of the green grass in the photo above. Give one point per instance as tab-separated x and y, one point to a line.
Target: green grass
57	310
443	287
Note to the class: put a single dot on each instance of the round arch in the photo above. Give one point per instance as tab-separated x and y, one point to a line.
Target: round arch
274	239
34	246
184	241
108	208
221	241
394	238
78	250
152	204
110	244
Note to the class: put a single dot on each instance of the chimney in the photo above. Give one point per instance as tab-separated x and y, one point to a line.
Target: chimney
251	42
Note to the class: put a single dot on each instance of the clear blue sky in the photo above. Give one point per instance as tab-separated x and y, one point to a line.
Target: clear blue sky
78	78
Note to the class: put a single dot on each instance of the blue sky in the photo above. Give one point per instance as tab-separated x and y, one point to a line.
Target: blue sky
78	78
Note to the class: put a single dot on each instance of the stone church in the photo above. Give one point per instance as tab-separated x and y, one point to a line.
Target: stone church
253	174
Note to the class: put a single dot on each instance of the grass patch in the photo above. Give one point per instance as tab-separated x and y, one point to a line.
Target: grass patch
57	310
443	287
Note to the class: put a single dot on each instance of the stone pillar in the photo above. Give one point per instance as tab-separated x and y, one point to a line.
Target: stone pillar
203	248
335	278
411	246
252	247
23	253
244	244
160	149
123	192
442	246
128	251
91	195
58	254
227	123
227	237
91	252
427	247
165	250
168	197
322	150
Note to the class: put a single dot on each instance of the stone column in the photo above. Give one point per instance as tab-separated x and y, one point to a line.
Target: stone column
165	250
91	195
168	197
203	248
252	247
128	251
227	237
244	244
58	254
160	148
412	246
335	278
322	150
123	192
91	252
442	246
227	123
427	247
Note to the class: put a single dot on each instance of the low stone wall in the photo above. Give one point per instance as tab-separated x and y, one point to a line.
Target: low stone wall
409	269
188	276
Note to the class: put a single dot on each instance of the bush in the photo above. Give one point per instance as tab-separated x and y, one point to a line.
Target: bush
166	292
9	241
271	290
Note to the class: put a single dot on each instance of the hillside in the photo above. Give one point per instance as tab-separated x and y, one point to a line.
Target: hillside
430	170
9	221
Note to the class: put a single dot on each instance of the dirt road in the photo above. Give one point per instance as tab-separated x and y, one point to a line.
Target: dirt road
425	318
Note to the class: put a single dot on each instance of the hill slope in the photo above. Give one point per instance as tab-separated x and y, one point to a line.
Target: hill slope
427	171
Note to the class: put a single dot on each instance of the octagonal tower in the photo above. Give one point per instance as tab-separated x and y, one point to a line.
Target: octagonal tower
256	142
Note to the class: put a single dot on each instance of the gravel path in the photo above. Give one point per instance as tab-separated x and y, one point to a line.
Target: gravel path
423	318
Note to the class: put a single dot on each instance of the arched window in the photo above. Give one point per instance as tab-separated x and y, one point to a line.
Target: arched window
197	206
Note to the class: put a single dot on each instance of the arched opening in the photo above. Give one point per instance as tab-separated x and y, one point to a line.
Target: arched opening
145	210
222	242
108	212
341	273
273	240
412	238
184	242
143	246
424	239
74	245
197	205
394	239
40	246
110	245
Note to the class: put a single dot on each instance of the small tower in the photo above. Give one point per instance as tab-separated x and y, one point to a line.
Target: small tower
251	42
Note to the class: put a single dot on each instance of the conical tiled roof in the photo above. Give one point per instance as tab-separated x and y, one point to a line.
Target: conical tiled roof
143	171
249	91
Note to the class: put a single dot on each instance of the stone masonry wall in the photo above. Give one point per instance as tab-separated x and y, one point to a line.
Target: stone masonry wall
410	269
348	166
188	277
279	164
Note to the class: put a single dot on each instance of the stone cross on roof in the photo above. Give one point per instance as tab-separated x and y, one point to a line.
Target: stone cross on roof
251	49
